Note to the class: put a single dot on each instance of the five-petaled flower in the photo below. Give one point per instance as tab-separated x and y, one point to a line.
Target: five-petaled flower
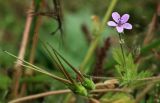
120	22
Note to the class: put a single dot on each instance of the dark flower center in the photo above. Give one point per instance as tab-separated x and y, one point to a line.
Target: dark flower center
120	22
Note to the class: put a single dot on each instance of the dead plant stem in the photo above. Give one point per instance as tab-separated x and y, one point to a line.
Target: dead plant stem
17	68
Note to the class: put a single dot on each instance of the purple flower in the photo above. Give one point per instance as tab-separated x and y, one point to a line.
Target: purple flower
120	22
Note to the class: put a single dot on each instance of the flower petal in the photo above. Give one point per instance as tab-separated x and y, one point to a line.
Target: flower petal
111	23
116	17
127	26
124	18
120	29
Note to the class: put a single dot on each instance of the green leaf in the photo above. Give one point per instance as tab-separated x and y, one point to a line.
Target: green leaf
117	55
128	72
5	82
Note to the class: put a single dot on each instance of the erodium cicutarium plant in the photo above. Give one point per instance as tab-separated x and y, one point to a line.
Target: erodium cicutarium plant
120	22
126	67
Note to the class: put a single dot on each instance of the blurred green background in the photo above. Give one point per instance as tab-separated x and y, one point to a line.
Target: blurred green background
74	45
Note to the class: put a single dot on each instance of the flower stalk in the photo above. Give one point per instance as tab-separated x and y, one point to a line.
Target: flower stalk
121	42
120	23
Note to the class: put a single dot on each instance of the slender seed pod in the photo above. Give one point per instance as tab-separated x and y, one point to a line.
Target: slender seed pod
86	82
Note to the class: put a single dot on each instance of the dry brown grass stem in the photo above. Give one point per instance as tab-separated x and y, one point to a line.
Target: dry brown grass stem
17	68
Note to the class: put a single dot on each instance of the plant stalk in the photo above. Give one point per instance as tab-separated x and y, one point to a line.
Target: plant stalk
18	72
121	41
31	97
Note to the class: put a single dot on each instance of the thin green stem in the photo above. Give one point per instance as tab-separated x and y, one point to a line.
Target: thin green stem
108	13
38	69
121	41
98	35
47	73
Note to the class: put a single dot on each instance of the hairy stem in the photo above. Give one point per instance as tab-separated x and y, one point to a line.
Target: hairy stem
121	41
